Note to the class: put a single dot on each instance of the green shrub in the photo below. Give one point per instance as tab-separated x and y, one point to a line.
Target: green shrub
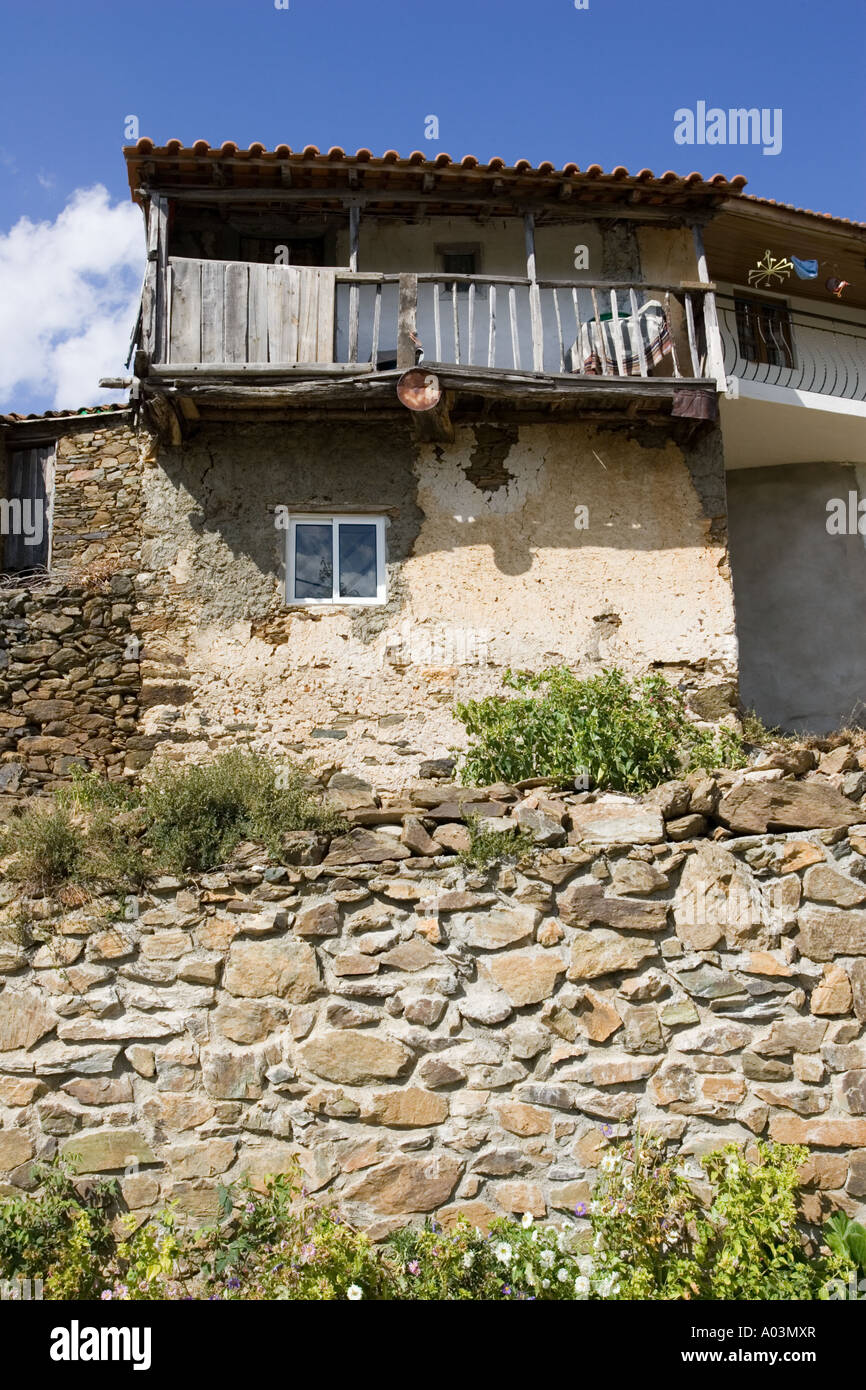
622	735
50	848
847	1240
656	1239
199	813
62	1236
488	847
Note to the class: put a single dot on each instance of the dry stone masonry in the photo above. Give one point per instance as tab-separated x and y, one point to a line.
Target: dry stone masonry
427	1037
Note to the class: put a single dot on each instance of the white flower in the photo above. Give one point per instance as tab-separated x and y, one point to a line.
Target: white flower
467	1260
354	1292
608	1164
562	1275
546	1259
503	1252
526	1220
545	1283
599	1241
581	1286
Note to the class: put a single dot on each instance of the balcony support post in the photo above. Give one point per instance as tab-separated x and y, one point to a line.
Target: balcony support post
354	291
534	294
715	354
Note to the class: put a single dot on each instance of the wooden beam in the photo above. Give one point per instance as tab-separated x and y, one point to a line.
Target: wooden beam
715	350
406	322
434	426
534	295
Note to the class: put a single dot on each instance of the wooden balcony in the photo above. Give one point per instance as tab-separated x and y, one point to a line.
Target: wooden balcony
236	333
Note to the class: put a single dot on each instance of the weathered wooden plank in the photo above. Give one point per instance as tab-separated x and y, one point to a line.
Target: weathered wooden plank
536	322
354	290
235	301
515	336
149	293
406	320
213	274
471	324
641	351
377	323
159	210
690	329
616	330
671	335
560	343
186	311
325	324
257	314
437	322
455	314
598	329
308	315
712	331
578	367
282	314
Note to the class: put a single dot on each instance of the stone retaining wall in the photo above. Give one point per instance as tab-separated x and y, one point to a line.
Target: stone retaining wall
69	682
428	1038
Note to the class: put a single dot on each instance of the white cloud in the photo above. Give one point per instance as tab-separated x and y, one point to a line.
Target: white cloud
68	297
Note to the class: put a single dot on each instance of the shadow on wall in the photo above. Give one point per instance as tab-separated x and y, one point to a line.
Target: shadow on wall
491	488
800	596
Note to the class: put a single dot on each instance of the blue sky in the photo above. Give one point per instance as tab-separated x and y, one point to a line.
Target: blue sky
539	80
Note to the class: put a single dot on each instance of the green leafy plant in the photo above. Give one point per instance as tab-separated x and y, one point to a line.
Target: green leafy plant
488	847
628	736
198	814
62	1235
656	1239
516	1260
50	848
847	1240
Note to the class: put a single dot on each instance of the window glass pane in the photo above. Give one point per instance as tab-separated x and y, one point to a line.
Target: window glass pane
357	560
314	561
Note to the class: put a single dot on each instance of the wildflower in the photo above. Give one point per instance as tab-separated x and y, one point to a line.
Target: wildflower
468	1260
413	1267
608	1164
233	1283
546	1258
607	1131
354	1292
545	1283
562	1275
106	1293
503	1252
251	1206
581	1286
526	1220
580	1209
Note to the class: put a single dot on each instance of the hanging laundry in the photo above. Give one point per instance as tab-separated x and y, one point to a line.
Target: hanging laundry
836	286
807	270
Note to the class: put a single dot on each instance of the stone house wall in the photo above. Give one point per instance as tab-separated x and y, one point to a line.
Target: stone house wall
426	1039
488	568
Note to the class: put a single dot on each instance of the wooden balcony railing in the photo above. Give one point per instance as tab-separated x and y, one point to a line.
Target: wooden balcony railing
795	349
246	316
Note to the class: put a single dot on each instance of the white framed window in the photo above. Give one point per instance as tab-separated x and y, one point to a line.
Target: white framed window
335	560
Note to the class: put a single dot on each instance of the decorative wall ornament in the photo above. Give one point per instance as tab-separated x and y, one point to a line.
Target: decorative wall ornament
769	269
836	286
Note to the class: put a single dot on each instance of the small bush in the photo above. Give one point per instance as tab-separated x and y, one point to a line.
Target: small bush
656	1239
62	1236
198	814
622	735
50	848
488	847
